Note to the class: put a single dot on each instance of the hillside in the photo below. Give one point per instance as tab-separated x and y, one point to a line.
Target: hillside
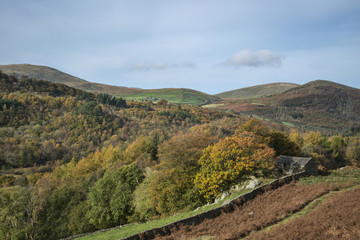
42	73
283	213
73	162
172	95
318	105
257	91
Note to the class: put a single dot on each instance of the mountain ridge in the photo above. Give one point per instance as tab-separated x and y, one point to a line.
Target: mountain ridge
257	91
316	105
173	95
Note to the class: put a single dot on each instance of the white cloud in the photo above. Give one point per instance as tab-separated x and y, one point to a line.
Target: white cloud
256	59
146	66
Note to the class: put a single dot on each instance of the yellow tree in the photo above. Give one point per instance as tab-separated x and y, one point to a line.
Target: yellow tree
229	162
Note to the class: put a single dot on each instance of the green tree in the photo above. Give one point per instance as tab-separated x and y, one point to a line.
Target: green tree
172	190
282	144
54	217
144	210
110	199
16	213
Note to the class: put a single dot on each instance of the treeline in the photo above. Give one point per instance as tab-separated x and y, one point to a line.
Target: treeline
93	165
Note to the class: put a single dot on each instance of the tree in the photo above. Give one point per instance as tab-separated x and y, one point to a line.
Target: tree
110	199
162	102
230	161
184	150
140	151
54	217
353	151
144	210
282	144
15	213
173	190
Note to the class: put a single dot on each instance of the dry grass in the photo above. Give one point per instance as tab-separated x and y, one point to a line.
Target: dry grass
337	218
240	221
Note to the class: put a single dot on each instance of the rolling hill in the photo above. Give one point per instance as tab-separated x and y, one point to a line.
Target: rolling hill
43	73
318	105
257	91
172	95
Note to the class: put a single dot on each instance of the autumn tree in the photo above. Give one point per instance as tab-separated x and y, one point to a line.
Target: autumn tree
172	188
140	151
277	140
230	161
353	151
184	150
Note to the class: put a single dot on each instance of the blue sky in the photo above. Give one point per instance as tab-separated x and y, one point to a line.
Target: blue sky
207	45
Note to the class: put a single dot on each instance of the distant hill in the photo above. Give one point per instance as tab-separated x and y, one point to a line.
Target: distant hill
257	91
42	73
318	105
172	95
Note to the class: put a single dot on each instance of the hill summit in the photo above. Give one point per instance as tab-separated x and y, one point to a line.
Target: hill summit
172	95
258	91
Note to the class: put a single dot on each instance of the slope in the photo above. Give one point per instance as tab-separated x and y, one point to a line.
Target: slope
173	95
318	105
240	221
41	72
257	91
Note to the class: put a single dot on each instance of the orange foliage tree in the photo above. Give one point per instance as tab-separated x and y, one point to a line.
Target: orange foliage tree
229	162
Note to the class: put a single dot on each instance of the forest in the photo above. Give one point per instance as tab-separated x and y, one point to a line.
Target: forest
73	162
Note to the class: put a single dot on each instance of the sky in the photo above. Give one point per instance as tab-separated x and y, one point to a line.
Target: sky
207	45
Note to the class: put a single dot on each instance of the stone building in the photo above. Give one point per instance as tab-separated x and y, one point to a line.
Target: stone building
291	165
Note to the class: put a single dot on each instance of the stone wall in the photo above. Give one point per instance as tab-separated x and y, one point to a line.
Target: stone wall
166	230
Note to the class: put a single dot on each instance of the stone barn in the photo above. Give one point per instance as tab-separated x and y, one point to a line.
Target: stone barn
291	165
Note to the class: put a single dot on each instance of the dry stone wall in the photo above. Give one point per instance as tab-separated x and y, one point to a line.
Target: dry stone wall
166	230
195	220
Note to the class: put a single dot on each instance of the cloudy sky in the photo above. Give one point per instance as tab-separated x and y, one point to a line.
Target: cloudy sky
207	45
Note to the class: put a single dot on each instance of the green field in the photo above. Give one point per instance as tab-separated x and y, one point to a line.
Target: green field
172	95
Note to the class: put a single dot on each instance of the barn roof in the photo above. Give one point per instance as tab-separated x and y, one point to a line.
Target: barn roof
302	161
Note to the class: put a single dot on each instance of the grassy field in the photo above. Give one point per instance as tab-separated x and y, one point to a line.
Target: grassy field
172	95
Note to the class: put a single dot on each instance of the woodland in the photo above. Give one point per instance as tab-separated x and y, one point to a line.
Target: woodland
73	162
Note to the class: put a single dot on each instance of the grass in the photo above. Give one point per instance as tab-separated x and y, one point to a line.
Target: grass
346	176
257	91
289	124
332	216
338	176
213	105
335	176
310	207
133	229
172	95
